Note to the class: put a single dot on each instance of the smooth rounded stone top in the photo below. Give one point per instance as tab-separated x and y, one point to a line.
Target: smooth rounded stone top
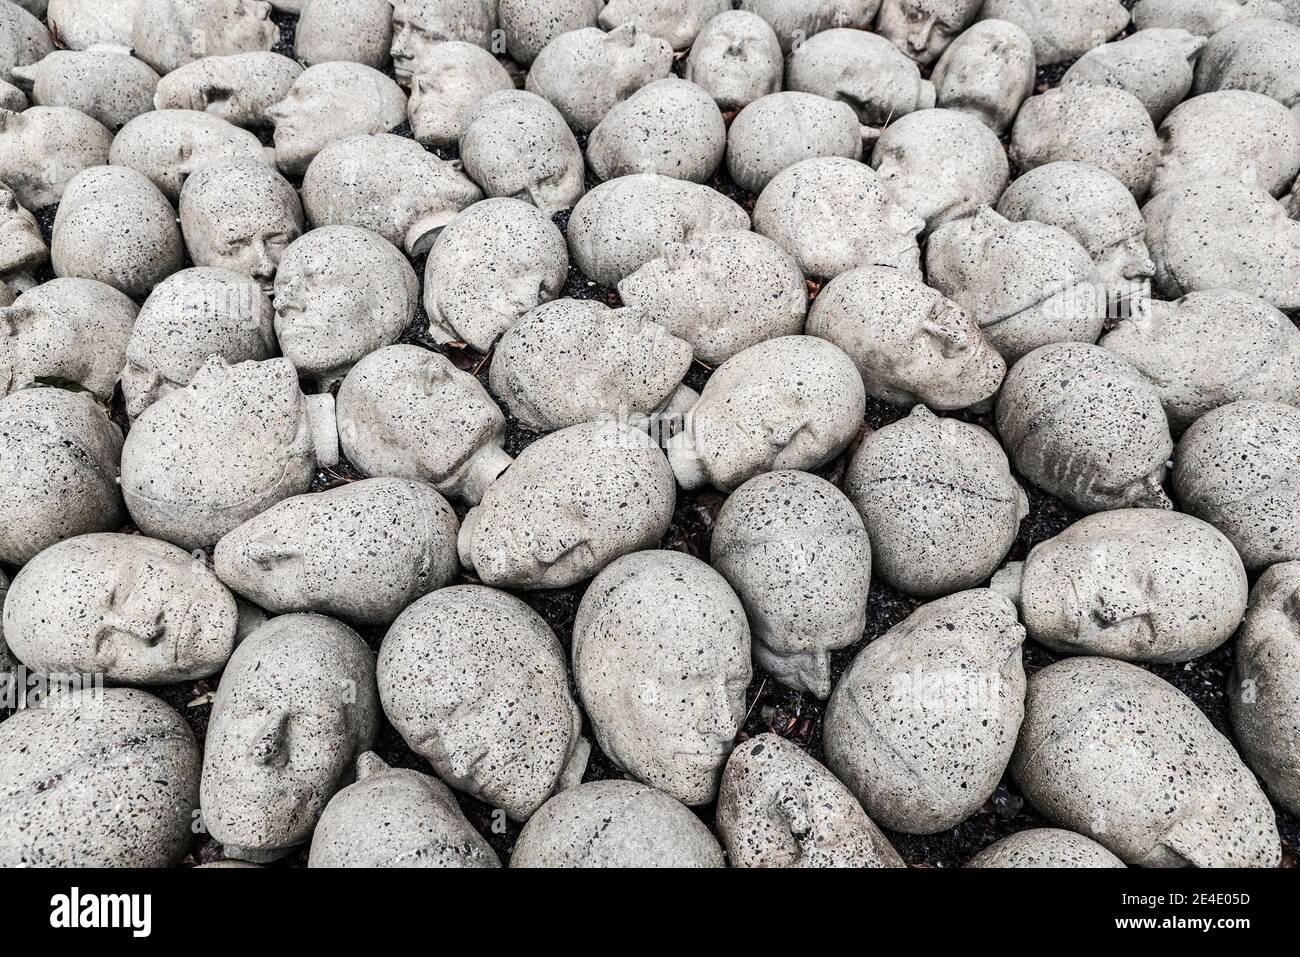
1062	30
1209	349
492	265
1264	689
330	102
66	330
585	73
736	59
43	148
389	185
102	777
22	247
988	72
106	86
420	25
361	552
862	69
1260	54
1084	425
781	129
910	343
1027	284
922	724
796	20
475	682
240	88
170	145
518	146
395	817
1202	17
205	459
1093	207
529	26
1042	847
189	316
1114	753
677	21
407	412
625	223
59	457
574	361
661	661
134	609
358	31
939	502
615	824
1224	234
941	165
1104	126
167	34
777	807
341	293
834	214
1233	134
796	552
670	127
1238	468
573	501
1156	66
296	707
923	29
455	77
789	403
1140	584
85	24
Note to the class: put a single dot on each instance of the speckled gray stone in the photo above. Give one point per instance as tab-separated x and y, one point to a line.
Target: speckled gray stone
796	553
205	459
790	403
615	824
796	20
59	455
621	225
661	662
1264	689
574	361
109	87
722	292
1259	54
781	129
296	707
1043	847
455	77
923	29
85	24
134	609
23	39
1156	66
358	31
909	342
670	127
1139	584
407	412
1062	30
574	501
361	552
389	185
922	724
1027	284
22	247
518	146
12	99
1238	468
1209	349
341	292
240	88
677	21
116	227
585	73
189	316
170	145
736	59
528	26
1114	753
167	34
1202	17
939	502
42	149
97	778
988	72
474	680
8	663
395	817
420	25
1084	425
833	215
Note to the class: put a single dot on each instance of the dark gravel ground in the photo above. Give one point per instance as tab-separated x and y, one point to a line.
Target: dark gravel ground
772	707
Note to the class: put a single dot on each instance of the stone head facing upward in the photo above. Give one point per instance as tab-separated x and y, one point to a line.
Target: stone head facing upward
923	29
988	71
736	59
419	26
453	79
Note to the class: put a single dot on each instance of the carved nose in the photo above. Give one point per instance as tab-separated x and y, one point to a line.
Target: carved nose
270	748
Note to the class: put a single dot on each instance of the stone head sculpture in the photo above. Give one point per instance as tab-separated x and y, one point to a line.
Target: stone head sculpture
241	88
528	27
776	131
170	145
796	20
108	86
25	40
454	78
1061	29
420	25
1156	66
1258	54
670	126
988	71
44	147
84	24
677	21
736	59
1202	17
168	34
360	31
923	29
